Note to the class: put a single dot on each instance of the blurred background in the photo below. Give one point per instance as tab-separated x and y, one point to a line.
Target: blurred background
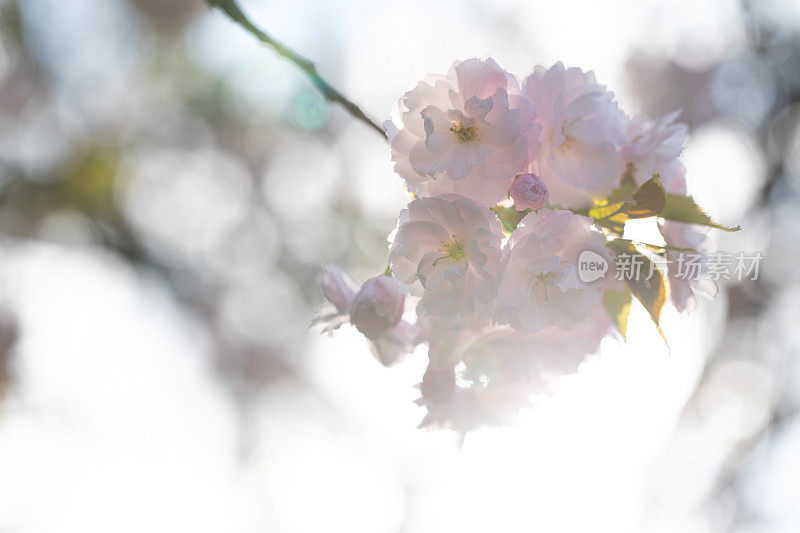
169	190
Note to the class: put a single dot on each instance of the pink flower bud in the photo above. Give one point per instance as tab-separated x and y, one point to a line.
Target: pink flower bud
377	307
529	192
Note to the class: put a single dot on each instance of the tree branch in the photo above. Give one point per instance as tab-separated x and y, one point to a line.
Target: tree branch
232	9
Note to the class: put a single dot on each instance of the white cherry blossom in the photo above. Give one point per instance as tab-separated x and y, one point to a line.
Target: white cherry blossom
451	246
463	132
581	136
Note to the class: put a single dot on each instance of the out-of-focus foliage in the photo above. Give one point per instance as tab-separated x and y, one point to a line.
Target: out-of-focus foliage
158	161
755	93
8	337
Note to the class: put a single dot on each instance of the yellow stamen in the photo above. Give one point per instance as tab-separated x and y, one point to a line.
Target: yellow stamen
566	144
464	133
453	250
456	250
567	139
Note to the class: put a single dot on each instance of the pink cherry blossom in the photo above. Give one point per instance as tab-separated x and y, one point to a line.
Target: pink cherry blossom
483	376
528	192
339	288
503	318
463	132
653	147
451	246
540	286
377	307
542	357
684	282
391	347
582	132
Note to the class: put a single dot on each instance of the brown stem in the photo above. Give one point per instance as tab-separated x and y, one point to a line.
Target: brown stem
232	9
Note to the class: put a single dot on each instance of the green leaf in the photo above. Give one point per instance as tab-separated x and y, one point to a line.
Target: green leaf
681	208
649	200
509	217
618	306
611	216
628	202
651	292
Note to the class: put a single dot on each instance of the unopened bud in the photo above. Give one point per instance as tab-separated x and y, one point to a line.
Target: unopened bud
529	192
377	307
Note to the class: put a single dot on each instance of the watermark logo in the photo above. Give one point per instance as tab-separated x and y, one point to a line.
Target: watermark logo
687	266
591	266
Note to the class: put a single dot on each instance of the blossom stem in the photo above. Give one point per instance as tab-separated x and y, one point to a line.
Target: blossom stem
235	13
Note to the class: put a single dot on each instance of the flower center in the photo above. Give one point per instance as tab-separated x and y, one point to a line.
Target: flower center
453	250
464	133
567	138
566	144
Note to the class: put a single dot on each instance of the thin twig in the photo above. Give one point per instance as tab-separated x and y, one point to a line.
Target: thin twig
232	9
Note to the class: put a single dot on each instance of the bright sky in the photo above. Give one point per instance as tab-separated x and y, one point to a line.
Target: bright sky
118	404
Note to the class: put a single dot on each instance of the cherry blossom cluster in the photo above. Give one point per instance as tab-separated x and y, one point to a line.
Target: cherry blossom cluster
511	181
